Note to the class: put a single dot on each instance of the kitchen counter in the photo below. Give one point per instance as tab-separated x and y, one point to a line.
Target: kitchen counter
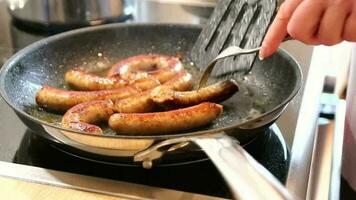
26	182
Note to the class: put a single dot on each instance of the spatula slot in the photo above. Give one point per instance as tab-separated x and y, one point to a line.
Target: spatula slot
227	21
233	23
232	32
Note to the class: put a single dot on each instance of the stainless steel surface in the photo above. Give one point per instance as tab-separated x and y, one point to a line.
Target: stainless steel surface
228	52
238	168
68	12
203	3
246	178
316	154
93	184
337	150
174	11
303	142
324	179
156	151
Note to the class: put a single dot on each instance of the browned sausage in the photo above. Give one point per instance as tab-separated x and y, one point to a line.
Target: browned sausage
81	80
61	100
165	122
162	67
142	102
217	92
83	116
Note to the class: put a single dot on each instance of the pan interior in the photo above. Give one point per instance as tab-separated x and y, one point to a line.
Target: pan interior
270	83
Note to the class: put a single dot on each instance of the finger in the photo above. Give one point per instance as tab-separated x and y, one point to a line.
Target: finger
349	33
332	24
278	28
305	21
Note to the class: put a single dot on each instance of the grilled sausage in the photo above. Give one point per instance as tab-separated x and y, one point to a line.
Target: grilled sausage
161	67
142	102
218	92
61	100
82	80
83	116
165	122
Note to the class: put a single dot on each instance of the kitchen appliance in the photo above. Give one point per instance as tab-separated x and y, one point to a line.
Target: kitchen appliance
67	14
174	11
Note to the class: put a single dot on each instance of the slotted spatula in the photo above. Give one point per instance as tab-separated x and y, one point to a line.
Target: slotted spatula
241	23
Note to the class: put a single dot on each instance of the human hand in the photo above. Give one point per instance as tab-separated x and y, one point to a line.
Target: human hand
312	22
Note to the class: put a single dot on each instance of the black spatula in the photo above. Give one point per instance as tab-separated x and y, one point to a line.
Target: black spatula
240	23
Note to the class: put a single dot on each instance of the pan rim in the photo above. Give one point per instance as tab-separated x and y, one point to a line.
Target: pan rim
14	58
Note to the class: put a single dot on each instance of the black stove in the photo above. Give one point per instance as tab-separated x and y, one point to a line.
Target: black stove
20	145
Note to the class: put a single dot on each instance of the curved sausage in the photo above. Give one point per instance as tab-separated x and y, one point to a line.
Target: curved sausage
165	122
82	80
216	93
61	100
83	116
142	102
161	67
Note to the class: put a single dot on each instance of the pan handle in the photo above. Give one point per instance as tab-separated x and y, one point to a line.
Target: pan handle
246	177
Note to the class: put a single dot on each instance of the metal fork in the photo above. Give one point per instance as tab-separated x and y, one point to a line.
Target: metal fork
230	51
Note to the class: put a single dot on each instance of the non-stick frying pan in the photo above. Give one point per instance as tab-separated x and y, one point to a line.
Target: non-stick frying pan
263	95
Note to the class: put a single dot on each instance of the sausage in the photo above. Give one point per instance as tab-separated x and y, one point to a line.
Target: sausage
216	93
165	122
61	100
161	67
142	102
81	80
83	116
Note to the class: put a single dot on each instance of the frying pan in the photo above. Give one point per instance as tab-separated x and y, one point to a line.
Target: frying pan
264	94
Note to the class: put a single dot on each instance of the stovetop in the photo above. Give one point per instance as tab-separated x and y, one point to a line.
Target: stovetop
34	150
19	145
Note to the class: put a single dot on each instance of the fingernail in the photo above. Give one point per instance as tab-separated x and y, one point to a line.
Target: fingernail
262	51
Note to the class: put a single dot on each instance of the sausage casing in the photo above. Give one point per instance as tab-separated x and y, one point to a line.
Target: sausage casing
61	100
161	67
81	80
216	93
165	122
